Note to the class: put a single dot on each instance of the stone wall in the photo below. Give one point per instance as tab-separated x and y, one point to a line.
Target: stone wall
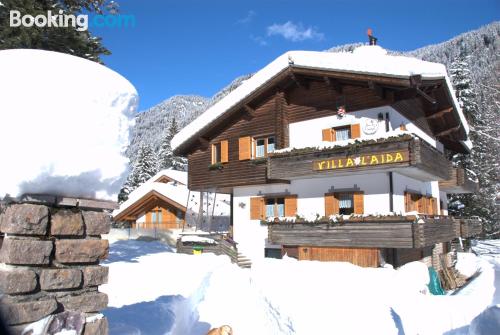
49	267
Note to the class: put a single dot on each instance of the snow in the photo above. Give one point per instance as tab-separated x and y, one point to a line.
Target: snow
65	124
177	192
180	176
343	143
364	60
197	239
153	290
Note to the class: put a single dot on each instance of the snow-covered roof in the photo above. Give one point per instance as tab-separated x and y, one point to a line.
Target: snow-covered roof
176	192
180	176
372	60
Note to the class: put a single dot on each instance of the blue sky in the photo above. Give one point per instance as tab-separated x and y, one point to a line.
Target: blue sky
198	47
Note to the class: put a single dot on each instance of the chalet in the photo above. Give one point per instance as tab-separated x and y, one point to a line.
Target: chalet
335	156
164	202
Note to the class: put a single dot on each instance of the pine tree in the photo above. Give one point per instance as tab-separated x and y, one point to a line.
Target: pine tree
144	167
167	159
61	39
482	163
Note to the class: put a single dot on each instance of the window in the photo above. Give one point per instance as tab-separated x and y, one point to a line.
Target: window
220	152
346	204
263	146
275	207
343	133
217	153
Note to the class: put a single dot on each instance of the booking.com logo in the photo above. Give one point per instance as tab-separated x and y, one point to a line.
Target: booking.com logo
81	22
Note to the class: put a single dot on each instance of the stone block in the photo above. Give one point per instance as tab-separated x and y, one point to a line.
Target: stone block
58	279
65	222
25	251
66	322
97	327
81	251
96	223
85	302
24	312
95	275
17	281
25	219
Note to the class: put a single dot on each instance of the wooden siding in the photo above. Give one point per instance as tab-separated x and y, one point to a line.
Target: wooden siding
270	116
375	235
381	234
366	257
458	182
432	231
470	227
320	101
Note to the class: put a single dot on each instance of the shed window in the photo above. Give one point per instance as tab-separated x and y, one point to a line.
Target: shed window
346	203
343	133
275	207
263	146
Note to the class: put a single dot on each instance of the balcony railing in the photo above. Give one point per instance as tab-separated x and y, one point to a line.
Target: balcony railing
367	232
405	154
458	182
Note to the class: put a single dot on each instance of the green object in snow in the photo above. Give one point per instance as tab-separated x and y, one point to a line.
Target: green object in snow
434	284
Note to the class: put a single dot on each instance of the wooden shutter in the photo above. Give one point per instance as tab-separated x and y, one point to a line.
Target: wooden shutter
148	217
355	131
331	204
421	205
257	209
245	148
434	206
224	151
328	135
407	202
359	202
291	205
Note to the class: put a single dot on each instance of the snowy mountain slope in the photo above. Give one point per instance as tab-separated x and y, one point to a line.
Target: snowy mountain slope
150	124
483	45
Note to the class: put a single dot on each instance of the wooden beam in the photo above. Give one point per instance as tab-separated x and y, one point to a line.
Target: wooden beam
249	112
377	89
295	80
203	143
405	94
448	131
427	97
439	114
415	80
333	83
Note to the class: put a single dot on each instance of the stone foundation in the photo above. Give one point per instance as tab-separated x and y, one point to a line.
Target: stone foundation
49	266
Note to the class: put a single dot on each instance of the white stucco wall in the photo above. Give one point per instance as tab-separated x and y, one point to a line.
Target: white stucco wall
308	133
251	235
403	184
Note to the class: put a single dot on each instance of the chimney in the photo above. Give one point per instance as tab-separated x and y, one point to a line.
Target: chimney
372	40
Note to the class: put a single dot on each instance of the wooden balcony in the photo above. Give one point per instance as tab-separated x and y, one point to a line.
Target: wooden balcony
470	227
404	154
367	232
458	182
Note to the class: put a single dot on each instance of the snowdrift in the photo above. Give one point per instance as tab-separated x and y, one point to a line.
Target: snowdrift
65	123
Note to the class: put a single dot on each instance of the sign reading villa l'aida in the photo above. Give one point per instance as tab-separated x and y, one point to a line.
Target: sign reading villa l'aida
361	160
